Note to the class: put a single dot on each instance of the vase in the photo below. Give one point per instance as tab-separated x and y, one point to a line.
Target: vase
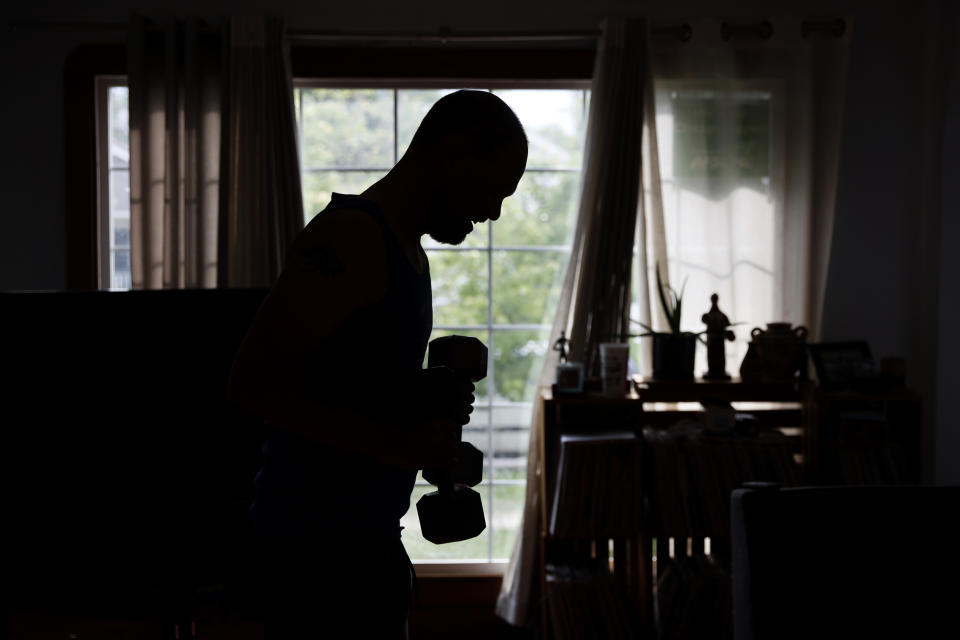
776	354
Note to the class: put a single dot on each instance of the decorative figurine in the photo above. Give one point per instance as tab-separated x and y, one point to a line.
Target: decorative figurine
717	331
561	346
569	374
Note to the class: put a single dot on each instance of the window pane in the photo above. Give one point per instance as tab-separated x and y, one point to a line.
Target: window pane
350	128
460	286
119	127
555	122
517	358
116	218
542	211
510	417
526	285
412	106
318	185
505	521
120	270
121	233
120	193
511	436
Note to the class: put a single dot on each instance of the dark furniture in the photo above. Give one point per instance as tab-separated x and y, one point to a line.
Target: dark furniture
656	405
128	473
845	562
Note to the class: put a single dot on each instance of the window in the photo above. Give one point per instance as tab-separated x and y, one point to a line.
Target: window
500	285
721	161
113	178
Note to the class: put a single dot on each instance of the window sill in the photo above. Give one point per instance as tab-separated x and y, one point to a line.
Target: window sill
460	569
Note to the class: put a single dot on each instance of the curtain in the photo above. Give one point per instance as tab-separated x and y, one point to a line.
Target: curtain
748	120
603	249
737	169
595	297
261	200
214	177
174	82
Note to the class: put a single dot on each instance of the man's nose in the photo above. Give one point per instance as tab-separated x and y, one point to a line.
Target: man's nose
495	214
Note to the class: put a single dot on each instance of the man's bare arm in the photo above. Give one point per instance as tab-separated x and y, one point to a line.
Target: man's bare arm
336	268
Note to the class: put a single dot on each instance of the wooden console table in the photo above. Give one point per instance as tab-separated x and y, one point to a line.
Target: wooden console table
647	403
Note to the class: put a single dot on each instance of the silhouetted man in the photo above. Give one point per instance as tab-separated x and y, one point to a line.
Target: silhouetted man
333	363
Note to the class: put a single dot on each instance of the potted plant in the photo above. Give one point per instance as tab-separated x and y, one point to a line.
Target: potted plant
673	351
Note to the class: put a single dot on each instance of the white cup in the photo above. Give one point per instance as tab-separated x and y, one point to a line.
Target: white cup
613	365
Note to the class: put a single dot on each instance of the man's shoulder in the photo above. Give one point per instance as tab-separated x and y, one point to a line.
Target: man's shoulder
346	248
344	223
346	230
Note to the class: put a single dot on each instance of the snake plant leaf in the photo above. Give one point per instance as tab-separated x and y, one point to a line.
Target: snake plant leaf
676	318
644	326
663	297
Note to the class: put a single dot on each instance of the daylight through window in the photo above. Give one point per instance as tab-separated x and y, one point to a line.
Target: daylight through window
501	285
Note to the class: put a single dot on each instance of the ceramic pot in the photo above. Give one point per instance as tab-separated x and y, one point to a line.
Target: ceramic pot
780	352
673	356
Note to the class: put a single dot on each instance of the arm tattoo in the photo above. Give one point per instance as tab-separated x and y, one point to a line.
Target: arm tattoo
320	260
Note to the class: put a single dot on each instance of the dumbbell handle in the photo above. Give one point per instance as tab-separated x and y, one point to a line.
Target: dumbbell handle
468	357
444	475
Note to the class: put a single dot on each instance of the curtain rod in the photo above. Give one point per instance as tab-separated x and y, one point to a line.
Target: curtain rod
442	34
683	32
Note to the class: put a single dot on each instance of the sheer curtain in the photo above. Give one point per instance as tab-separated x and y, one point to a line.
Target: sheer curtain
214	180
737	165
594	300
748	122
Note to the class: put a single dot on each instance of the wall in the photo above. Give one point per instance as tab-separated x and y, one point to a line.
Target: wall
883	267
948	375
32	222
885	280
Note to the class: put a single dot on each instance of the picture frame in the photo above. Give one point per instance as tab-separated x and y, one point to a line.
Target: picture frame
569	378
842	365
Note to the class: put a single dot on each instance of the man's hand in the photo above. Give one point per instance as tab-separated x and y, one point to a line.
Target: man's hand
439	393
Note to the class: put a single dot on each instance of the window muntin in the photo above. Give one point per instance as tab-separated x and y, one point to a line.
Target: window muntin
501	285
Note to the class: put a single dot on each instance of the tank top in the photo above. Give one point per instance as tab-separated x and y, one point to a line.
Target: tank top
308	490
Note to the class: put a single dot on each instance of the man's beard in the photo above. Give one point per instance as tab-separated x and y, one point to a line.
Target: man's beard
450	235
446	227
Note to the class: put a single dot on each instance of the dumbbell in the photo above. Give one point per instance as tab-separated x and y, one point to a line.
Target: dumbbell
454	512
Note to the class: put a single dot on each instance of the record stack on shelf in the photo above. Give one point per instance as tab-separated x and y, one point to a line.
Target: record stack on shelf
692	475
694	472
860	450
586	603
598	488
597	497
694	599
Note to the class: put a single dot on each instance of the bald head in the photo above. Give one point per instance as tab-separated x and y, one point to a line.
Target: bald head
480	119
468	154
